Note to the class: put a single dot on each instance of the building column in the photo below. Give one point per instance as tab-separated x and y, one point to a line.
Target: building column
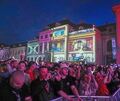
94	49
116	10
43	47
47	46
66	43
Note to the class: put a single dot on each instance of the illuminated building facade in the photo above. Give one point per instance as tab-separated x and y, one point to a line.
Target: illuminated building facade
18	51
84	44
79	43
4	52
59	43
44	43
108	33
33	50
59	40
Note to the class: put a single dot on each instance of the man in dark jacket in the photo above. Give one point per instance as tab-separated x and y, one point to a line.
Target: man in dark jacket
14	89
41	88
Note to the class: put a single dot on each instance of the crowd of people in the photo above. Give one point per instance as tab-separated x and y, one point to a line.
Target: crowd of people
44	81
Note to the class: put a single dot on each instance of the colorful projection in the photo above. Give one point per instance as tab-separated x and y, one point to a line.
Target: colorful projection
59	57
83	31
58	46
58	33
81	49
87	57
81	45
114	51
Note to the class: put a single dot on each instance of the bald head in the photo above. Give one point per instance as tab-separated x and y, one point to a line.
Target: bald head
17	79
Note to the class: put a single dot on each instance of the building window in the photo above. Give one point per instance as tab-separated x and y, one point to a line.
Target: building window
41	37
45	46
46	36
10	52
13	53
31	59
16	53
50	46
40	47
110	29
109	46
19	52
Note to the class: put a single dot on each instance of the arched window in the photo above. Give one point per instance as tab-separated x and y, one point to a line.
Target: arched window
109	46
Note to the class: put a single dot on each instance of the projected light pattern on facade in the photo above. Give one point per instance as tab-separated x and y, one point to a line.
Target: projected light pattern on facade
58	44
81	49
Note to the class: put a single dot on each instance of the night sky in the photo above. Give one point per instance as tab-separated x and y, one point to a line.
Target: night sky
21	20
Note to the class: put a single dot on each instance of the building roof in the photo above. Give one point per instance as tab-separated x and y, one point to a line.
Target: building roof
73	25
18	44
106	25
83	26
106	28
35	39
2	45
59	23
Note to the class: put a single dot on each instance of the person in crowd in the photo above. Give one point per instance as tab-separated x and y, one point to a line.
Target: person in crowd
22	67
88	85
66	85
30	70
15	89
41	88
115	82
102	83
62	79
4	73
26	62
12	66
